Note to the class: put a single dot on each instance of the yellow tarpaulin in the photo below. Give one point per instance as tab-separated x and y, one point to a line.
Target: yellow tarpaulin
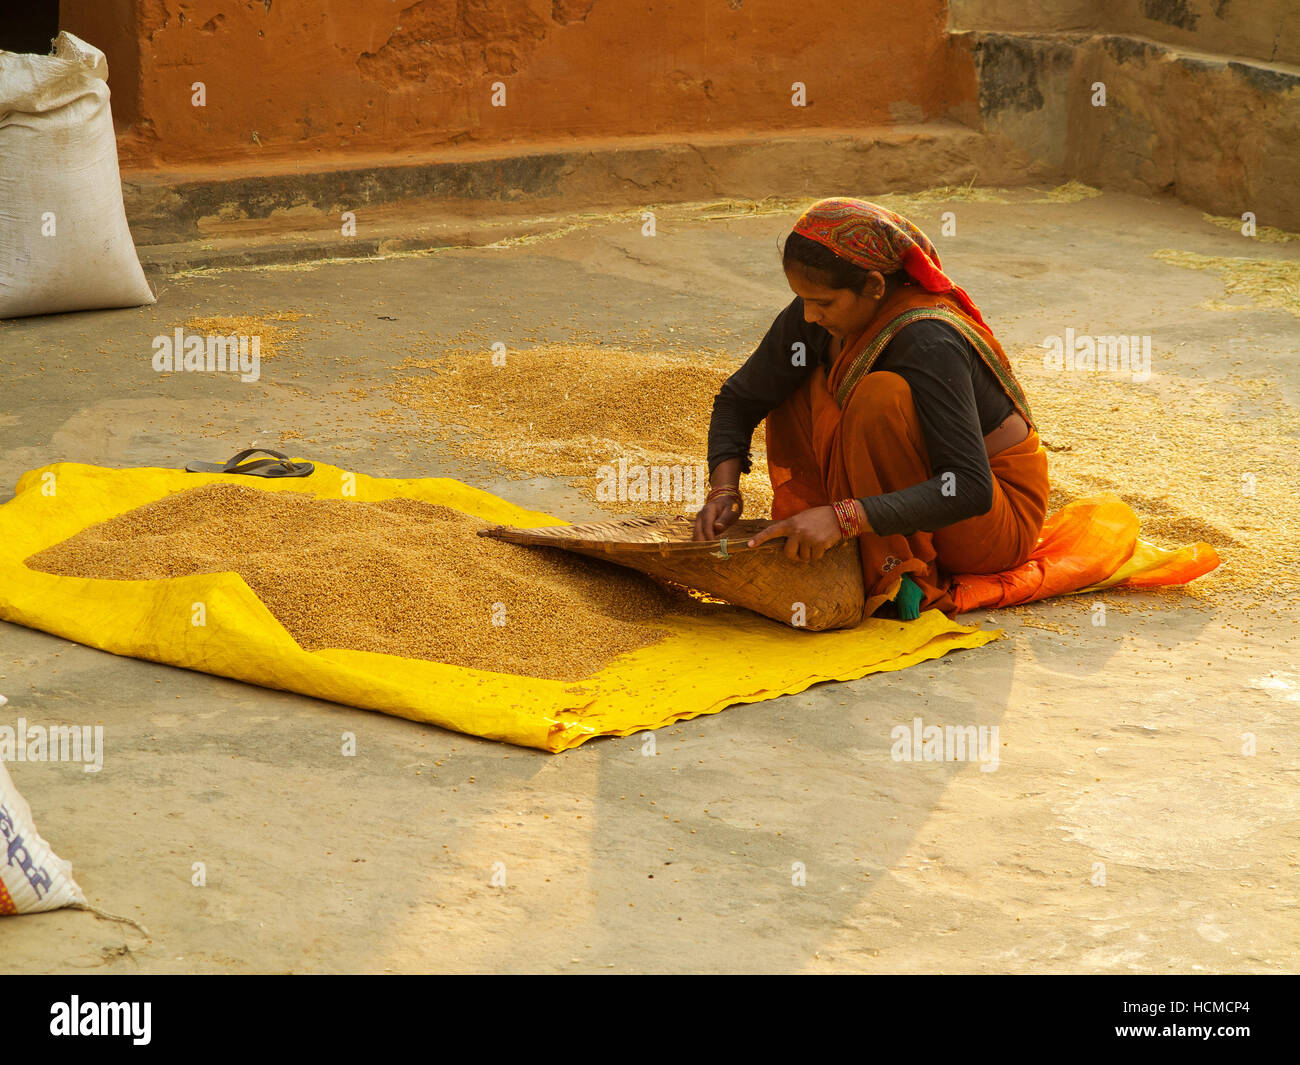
703	666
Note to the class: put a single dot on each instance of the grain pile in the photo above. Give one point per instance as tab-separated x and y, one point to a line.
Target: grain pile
566	410
397	577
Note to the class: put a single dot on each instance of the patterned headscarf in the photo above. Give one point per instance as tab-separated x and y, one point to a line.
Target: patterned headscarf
874	238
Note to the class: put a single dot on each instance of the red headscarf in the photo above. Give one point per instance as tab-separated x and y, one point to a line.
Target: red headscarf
874	238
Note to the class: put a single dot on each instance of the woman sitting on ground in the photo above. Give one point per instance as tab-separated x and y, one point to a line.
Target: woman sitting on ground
892	416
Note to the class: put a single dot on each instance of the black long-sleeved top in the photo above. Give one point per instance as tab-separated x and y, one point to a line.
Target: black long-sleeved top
957	398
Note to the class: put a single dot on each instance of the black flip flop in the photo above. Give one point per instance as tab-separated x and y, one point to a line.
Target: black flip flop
279	466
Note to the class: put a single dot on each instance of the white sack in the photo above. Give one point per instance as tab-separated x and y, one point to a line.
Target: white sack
32	877
58	170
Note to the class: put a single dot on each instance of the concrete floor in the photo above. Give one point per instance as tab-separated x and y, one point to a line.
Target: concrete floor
615	861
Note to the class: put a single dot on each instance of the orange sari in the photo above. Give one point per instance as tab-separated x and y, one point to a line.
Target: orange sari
854	433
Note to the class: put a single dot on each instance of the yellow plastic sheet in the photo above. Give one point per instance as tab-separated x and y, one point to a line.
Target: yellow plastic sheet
703	666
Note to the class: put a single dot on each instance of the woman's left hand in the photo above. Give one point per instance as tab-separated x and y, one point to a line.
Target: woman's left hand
808	534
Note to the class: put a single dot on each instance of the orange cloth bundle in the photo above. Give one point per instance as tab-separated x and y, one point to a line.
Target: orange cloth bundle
1088	545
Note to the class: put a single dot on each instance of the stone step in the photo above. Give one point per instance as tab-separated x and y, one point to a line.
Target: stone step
297	203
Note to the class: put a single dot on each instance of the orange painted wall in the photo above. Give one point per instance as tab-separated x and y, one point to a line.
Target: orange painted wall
338	77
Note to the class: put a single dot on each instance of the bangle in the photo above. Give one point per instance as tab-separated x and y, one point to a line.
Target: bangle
723	490
842	520
850	522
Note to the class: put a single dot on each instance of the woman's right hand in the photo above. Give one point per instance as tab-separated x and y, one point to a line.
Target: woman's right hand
717	516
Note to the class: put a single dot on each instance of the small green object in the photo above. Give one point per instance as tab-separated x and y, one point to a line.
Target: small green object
908	599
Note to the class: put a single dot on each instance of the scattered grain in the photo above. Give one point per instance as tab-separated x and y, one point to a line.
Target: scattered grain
1211	462
275	340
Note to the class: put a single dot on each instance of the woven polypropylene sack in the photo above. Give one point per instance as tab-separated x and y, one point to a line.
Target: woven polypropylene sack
32	877
64	241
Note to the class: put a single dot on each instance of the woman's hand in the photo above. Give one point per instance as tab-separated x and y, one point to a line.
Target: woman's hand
808	534
717	517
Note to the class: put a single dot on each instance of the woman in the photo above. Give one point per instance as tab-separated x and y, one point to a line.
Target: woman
893	416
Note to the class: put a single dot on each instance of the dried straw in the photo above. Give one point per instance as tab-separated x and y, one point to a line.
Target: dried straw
1071	192
1267	234
729	208
1266	282
900	202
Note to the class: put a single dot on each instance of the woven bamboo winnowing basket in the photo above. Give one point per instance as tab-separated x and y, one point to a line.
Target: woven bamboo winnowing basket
758	578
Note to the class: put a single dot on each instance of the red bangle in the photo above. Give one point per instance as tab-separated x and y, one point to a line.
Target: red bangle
841	520
850	522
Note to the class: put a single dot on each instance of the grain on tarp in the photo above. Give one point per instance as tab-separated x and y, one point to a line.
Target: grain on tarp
399	577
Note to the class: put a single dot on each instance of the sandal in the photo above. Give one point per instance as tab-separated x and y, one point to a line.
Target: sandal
279	466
